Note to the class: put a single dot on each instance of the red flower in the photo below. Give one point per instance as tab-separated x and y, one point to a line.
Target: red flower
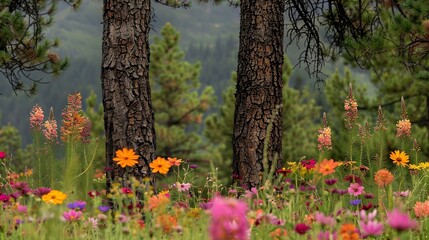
302	228
2	155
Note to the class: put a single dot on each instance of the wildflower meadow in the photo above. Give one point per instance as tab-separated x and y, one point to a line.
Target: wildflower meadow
371	193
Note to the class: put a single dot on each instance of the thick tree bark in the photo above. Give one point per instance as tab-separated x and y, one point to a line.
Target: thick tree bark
259	89
128	114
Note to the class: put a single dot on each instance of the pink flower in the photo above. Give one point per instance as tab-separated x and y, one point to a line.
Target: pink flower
36	118
183	187
355	189
228	219
324	220
2	155
400	221
365	217
72	215
371	228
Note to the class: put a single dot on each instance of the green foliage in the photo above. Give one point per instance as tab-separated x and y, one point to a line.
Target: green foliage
178	101
10	142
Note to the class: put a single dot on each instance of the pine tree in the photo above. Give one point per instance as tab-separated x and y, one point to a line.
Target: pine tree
178	101
24	49
299	128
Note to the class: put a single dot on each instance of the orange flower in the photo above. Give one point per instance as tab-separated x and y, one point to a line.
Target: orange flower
383	177
126	157
399	158
158	202
166	222
327	167
160	165
421	209
349	232
174	161
54	197
278	233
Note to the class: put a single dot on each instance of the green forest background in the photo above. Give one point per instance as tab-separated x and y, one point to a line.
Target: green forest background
208	34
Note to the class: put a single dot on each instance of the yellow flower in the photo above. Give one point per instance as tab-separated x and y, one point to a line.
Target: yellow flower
126	157
399	158
414	167
54	197
160	165
424	165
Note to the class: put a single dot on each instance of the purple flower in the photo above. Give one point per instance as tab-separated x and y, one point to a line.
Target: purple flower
331	181
78	205
339	191
400	221
302	228
41	191
355	202
103	209
72	215
22	187
193	166
228	219
206	205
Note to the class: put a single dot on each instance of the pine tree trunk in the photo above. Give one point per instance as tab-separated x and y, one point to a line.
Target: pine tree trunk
128	114
259	89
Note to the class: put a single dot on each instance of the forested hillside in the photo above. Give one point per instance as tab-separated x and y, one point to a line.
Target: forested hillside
208	33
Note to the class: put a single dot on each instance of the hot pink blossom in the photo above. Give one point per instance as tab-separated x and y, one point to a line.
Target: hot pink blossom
228	219
72	215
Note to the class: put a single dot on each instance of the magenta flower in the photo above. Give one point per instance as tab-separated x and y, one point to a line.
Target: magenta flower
2	155
355	189
72	215
400	221
228	219
308	164
302	228
21	208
